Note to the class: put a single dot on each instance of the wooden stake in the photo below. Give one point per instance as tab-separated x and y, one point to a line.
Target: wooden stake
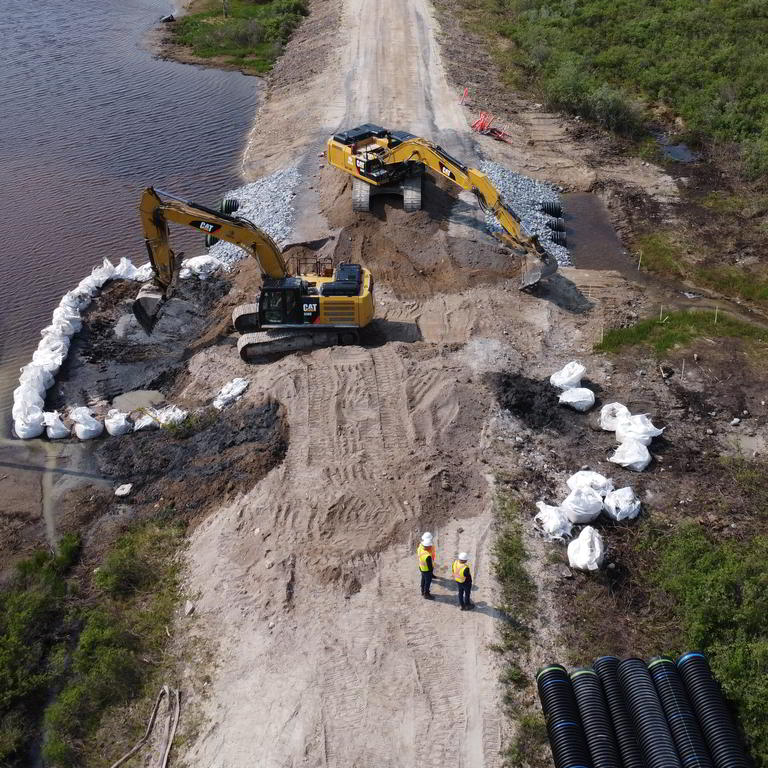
682	373
716	309
640	261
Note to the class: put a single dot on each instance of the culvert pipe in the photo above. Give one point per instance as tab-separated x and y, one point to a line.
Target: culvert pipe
595	718
720	733
653	735
686	734
607	669
564	728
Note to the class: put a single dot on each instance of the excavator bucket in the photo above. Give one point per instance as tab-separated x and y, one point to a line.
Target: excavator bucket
537	269
148	305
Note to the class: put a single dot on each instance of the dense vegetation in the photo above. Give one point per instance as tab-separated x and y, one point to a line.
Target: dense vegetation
706	60
721	592
248	33
72	647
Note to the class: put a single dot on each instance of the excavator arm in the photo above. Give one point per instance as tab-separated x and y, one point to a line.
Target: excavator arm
157	210
402	150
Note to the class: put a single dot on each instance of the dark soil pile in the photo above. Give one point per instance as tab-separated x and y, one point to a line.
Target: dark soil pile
203	463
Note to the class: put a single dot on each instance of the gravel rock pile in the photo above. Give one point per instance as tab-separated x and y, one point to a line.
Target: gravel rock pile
525	196
267	203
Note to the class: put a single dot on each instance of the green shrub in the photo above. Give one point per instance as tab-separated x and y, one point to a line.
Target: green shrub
596	58
251	34
32	610
721	591
124	571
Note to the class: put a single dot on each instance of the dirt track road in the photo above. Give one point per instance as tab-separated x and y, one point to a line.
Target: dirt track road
307	586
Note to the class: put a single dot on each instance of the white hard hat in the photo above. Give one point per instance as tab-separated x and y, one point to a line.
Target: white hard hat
426	538
463	556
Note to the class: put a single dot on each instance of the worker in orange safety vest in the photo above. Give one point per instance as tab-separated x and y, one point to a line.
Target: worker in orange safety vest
427	562
463	576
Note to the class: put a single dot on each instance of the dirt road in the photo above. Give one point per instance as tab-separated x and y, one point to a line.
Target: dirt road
306	586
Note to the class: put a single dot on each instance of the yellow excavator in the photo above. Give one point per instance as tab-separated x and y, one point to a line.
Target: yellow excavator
381	161
318	305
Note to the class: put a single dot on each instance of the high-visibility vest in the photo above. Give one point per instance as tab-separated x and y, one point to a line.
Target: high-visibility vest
424	553
460	571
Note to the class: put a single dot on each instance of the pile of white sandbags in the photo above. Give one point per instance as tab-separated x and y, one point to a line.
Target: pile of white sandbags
29	397
633	433
590	495
568	379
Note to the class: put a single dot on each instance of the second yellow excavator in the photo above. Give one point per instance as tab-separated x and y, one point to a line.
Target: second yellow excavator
318	305
393	161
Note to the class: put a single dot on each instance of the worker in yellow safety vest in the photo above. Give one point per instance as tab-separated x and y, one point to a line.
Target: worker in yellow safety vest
463	575
427	562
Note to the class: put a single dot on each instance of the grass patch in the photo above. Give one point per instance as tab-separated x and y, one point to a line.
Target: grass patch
518	592
659	252
720	589
531	743
32	656
251	35
121	644
678	329
600	58
734	281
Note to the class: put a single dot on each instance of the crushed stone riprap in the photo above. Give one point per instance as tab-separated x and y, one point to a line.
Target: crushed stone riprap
525	196
267	203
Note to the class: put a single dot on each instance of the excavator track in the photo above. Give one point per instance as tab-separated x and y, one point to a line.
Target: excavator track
412	193
245	318
257	346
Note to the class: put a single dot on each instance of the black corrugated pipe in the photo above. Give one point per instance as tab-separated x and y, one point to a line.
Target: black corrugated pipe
680	716
595	718
607	668
566	736
644	707
708	703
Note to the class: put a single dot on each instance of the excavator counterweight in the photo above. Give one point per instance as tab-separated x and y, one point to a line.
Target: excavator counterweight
322	308
393	161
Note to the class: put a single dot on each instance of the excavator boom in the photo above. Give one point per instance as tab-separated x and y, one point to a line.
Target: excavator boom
157	210
381	158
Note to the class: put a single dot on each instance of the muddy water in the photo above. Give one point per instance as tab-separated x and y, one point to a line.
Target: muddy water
87	119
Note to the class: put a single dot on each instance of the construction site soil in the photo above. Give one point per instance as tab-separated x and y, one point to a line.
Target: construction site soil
309	643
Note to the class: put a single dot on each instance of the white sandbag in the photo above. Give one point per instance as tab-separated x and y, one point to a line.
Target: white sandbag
55	428
552	522
86	427
569	376
144	273
147	420
230	392
611	414
24	397
638	428
117	423
586	552
200	266
160	417
579	398
29	422
36	376
123	490
105	272
622	504
582	505
171	414
632	455
125	270
585	478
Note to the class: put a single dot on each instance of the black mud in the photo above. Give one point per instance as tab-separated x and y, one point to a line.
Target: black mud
210	458
103	364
